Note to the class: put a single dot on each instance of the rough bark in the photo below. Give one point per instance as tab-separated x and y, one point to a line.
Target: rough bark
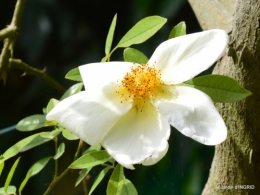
236	163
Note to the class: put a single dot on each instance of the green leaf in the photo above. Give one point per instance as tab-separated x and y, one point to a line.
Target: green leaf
142	31
90	160
178	30
16	148
60	151
2	164
134	55
74	75
50	123
98	179
50	135
10	174
82	175
110	35
68	135
31	123
219	88
72	90
53	102
35	142
93	149
128	188
10	190
35	169
116	181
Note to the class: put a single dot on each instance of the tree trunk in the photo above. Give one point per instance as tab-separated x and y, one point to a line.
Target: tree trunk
236	164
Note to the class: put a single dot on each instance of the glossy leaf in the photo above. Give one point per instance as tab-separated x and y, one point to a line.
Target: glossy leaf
34	143
31	123
116	181
68	135
98	179
178	30
51	134
128	188
110	35
2	164
72	90
219	88
53	102
35	169
142	31
93	149
10	190
82	175
134	55
60	151
16	148
74	75
90	160
11	174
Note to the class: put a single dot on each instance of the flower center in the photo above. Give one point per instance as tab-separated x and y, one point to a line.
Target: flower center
141	82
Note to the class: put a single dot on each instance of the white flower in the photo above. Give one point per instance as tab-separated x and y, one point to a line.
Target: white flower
128	108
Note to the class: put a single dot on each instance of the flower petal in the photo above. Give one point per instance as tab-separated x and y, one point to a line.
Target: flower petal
184	57
97	75
90	116
158	154
193	113
137	135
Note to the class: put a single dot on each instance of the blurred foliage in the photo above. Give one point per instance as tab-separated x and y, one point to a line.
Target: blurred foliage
62	34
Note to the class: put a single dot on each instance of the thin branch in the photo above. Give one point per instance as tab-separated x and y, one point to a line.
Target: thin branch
18	64
7	50
55	181
7	32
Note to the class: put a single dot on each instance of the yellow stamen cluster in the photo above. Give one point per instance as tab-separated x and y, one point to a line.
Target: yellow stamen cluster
140	82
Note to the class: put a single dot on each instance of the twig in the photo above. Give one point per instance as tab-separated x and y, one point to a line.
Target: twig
7	50
18	64
57	179
7	32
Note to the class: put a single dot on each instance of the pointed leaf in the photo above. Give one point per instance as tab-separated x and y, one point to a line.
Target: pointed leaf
98	179
31	123
16	148
178	30
60	151
134	55
128	188
34	143
35	169
142	31
10	190
53	102
2	164
90	160
74	75
93	149
10	174
50	135
68	135
110	35
82	175
116	181
219	88
72	90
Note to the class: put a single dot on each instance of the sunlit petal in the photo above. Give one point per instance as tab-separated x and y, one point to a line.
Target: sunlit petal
97	75
90	117
137	136
158	154
193	113
184	57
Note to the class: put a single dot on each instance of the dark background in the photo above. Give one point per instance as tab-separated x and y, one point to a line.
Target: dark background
62	34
